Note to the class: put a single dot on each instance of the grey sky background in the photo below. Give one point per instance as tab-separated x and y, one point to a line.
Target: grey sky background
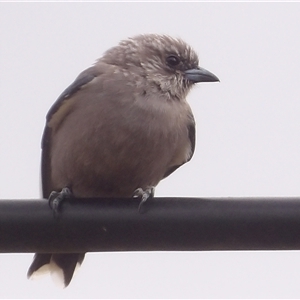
248	140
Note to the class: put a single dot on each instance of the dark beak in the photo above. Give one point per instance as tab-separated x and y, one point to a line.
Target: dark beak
200	75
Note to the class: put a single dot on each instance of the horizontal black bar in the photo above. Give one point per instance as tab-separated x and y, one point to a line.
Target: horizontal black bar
184	224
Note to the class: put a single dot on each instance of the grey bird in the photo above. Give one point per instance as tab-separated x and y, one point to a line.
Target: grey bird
122	126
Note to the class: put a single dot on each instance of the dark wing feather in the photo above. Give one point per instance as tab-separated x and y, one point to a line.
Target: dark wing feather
83	78
192	136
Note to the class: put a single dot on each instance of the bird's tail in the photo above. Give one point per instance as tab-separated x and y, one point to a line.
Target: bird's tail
61	266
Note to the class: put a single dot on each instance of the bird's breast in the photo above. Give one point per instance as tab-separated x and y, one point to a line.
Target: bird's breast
104	150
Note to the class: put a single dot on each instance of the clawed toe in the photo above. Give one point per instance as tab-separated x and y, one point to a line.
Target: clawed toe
56	198
144	195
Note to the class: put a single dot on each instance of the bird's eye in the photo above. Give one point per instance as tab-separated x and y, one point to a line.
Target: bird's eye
173	60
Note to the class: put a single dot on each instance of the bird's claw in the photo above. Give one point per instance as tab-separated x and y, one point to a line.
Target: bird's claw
144	195
56	198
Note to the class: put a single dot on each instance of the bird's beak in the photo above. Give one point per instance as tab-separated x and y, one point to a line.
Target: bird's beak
200	75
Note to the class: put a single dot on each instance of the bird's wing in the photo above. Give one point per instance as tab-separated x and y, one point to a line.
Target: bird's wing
191	131
83	78
192	137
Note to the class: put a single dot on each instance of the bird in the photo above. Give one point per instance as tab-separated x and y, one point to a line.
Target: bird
121	127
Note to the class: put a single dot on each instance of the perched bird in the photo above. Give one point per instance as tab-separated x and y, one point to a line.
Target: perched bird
122	126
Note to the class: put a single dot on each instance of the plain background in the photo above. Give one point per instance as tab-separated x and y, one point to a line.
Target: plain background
248	141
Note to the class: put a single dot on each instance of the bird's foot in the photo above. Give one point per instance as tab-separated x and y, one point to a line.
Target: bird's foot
144	195
56	198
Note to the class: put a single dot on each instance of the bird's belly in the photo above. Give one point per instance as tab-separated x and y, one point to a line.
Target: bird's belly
114	155
115	167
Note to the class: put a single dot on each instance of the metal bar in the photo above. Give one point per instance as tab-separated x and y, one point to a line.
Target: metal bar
169	224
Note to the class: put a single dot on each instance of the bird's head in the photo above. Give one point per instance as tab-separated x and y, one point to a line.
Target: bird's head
168	64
